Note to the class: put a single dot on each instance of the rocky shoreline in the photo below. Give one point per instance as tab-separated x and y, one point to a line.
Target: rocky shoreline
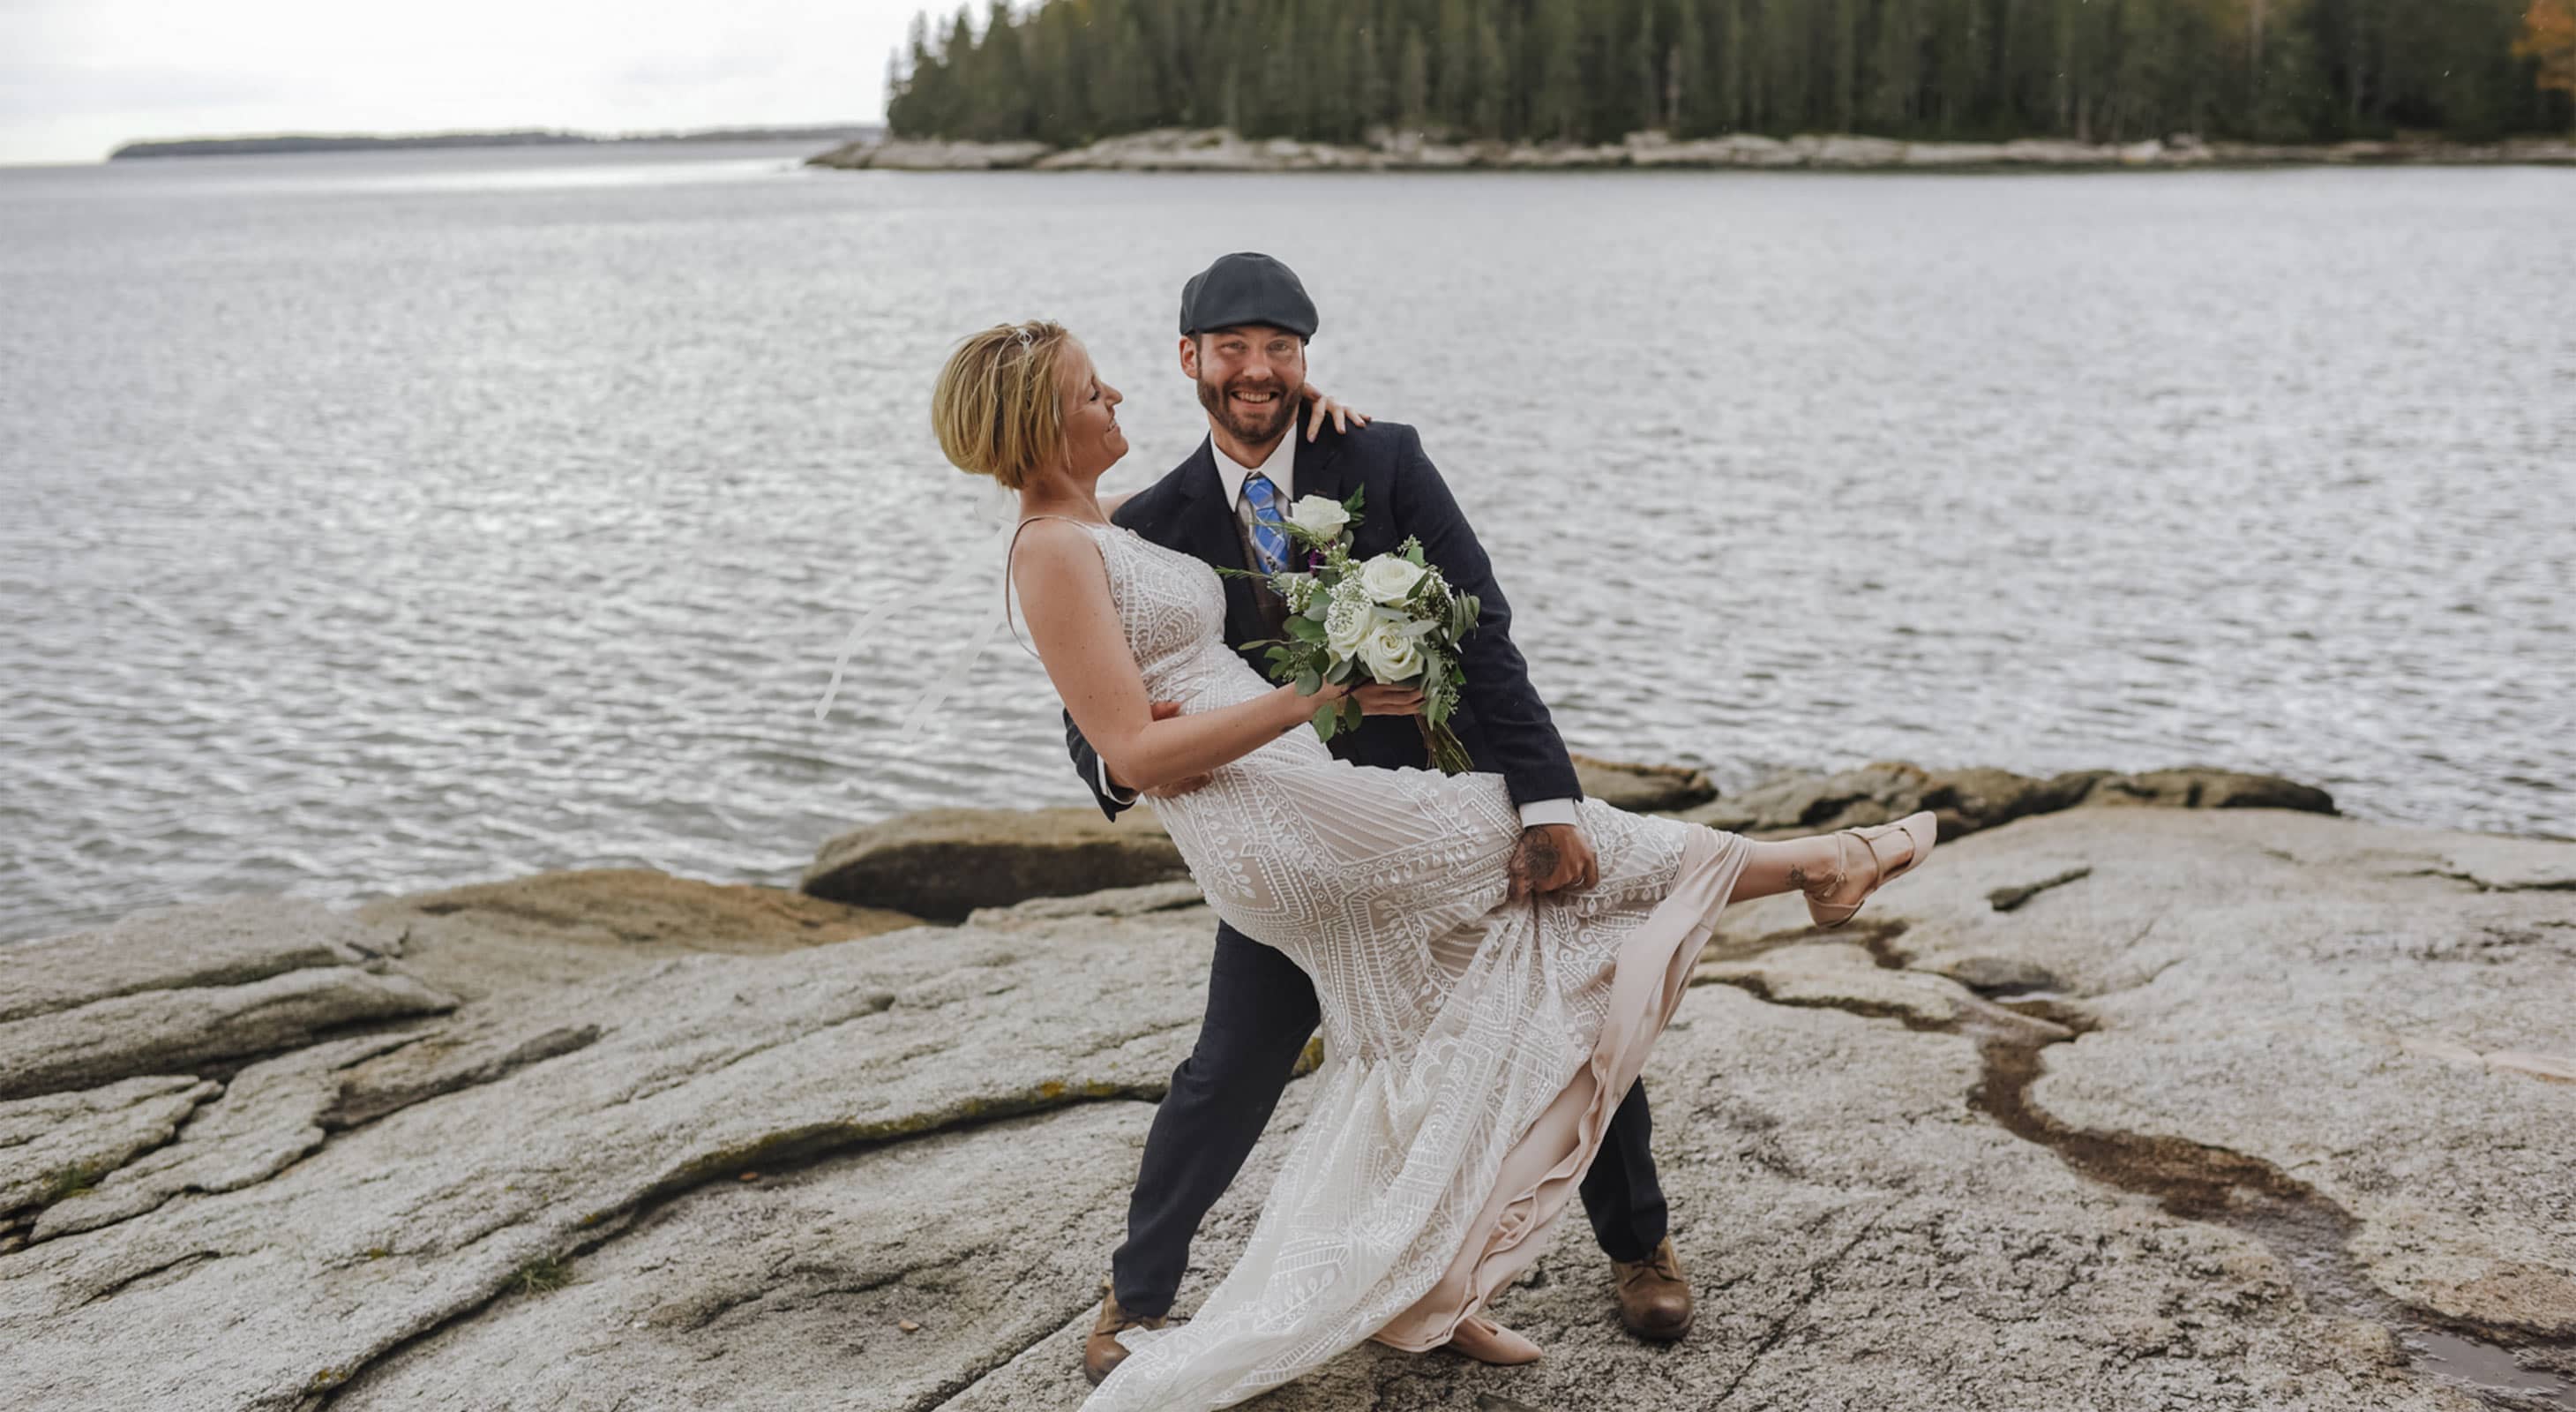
1221	150
2163	1089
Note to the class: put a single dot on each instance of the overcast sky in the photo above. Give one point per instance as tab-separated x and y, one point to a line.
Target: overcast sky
77	77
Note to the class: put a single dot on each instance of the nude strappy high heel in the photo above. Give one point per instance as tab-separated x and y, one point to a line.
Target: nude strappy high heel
1921	831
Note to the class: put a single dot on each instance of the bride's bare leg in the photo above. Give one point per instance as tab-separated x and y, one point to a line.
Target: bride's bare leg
1787	866
1840	870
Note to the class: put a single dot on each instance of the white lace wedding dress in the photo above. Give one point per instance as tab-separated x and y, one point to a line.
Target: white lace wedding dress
1474	1050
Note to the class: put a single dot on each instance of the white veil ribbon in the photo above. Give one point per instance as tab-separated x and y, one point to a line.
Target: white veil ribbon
984	556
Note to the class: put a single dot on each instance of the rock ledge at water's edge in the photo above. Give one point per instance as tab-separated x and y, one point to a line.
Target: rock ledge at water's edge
2225	1107
944	863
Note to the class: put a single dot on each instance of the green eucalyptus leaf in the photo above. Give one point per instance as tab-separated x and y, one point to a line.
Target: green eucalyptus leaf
1308	683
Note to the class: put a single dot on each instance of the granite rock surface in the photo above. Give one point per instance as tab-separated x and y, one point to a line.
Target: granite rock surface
2245	1108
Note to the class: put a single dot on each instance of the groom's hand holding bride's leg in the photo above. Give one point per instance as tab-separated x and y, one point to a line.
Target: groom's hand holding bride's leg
1552	858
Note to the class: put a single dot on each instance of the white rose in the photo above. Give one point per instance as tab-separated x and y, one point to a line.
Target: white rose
1390	653
1318	516
1388	578
1347	624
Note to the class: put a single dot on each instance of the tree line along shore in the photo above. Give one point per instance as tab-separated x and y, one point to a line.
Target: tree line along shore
1571	73
1223	150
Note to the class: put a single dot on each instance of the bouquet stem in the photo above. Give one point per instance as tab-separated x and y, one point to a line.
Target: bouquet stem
1447	751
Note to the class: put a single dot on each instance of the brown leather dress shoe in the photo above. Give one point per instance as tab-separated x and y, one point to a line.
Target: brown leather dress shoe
1654	1295
1102	1351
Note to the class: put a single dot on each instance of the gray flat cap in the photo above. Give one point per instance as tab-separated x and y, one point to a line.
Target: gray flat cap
1245	288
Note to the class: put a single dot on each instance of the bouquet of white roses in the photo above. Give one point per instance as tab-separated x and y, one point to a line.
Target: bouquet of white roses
1392	619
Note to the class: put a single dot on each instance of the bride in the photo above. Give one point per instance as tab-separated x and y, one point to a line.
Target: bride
1477	1038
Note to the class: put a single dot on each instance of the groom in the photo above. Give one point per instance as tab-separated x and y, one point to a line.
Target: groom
1244	325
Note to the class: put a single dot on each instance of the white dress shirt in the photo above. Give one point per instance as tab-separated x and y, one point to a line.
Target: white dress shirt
1281	467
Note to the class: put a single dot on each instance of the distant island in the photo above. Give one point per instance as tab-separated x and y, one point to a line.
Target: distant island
523	137
1546	74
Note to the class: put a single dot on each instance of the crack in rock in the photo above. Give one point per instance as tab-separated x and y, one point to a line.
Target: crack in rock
2308	1230
2196	1181
832	1250
195	947
2488	885
129	1281
960	1387
2005	899
786	1154
1779	1330
165	1031
266	1119
442	1062
57	1144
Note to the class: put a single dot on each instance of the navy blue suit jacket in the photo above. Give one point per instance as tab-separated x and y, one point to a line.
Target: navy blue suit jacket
1499	718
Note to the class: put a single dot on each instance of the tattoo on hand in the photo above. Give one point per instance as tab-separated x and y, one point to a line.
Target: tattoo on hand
1540	854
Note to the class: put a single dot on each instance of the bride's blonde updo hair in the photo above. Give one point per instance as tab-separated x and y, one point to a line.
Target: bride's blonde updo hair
997	407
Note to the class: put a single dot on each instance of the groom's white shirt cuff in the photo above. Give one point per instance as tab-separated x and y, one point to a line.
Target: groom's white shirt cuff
1549	811
1123	797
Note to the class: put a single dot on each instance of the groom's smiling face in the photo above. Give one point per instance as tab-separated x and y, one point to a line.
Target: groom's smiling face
1248	379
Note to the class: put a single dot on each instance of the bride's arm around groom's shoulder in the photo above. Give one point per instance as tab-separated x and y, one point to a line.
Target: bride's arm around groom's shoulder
1520	737
1064	593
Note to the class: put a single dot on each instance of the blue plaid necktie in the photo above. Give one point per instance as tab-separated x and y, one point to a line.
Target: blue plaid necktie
1269	532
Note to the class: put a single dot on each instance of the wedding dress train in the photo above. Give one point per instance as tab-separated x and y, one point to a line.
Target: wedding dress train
1474	1048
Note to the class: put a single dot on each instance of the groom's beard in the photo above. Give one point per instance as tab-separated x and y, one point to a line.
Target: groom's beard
1245	424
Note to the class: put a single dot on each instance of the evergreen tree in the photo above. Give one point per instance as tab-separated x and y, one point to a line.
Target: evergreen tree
1726	101
1646	64
1492	114
1413	82
1842	62
1373	101
1896	69
1452	101
1556	107
1692	105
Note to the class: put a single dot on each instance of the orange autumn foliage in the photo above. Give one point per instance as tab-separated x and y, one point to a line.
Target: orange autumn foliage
2549	35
